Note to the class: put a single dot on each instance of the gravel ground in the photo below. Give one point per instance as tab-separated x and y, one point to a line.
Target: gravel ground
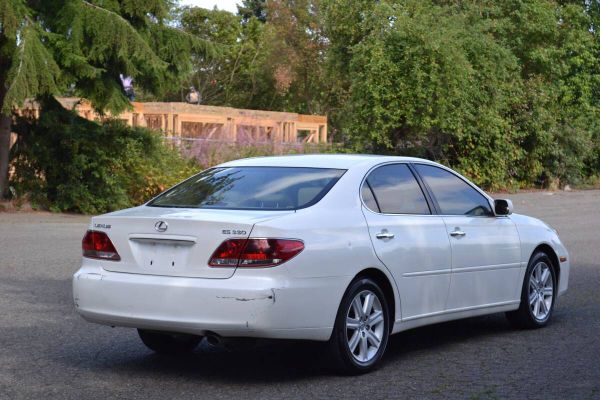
47	351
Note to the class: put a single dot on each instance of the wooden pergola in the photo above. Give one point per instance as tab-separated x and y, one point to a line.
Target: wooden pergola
192	121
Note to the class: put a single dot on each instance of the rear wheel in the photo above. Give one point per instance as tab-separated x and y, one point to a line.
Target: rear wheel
169	343
362	327
537	295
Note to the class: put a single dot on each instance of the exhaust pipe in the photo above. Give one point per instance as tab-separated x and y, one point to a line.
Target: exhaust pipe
231	344
213	339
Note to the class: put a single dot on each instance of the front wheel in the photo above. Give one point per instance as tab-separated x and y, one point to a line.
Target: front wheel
537	295
169	343
362	328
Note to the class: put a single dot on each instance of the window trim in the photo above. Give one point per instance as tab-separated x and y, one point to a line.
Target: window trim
462	178
433	205
368	185
433	211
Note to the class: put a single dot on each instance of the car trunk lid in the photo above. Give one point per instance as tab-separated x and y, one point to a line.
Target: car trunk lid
174	241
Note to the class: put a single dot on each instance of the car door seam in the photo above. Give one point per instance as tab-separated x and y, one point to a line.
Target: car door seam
390	274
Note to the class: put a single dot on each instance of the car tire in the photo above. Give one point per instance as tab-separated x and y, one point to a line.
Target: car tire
537	294
362	328
169	343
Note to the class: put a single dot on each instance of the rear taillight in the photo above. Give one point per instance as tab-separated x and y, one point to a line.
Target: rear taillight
255	252
228	253
97	244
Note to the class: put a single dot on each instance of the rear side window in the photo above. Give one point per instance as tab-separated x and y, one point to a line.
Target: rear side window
369	198
395	191
251	188
453	195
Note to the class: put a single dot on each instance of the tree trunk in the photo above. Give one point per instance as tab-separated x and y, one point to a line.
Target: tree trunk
7	47
5	121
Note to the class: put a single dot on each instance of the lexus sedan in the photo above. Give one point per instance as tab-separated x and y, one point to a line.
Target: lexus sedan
343	249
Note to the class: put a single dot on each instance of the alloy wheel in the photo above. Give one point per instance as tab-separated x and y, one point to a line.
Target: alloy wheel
364	326
541	290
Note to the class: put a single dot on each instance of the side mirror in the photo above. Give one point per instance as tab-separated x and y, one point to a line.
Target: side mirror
503	207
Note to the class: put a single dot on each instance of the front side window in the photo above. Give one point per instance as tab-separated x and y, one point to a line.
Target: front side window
251	188
394	190
454	195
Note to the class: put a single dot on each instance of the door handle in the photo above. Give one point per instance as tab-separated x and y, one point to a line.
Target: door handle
384	234
457	232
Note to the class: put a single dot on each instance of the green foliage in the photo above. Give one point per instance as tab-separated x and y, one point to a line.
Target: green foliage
507	92
253	9
81	47
274	61
33	69
86	44
12	13
236	76
26	66
67	163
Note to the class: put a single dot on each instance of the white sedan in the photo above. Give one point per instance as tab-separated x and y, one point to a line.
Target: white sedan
346	249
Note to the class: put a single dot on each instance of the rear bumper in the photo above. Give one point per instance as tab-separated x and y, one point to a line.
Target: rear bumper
243	305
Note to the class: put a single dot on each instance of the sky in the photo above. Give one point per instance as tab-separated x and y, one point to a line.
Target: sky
229	5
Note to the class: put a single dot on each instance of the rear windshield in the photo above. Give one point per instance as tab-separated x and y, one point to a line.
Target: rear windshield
251	188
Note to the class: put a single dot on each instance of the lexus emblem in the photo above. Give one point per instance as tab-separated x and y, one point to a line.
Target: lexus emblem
161	226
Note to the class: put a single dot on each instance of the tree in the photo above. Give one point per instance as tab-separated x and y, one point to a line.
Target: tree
275	65
237	76
49	46
298	51
253	9
344	26
503	91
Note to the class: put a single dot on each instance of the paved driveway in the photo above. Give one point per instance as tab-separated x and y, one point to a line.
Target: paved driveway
47	351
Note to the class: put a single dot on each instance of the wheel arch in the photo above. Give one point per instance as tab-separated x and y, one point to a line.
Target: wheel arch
386	284
547	249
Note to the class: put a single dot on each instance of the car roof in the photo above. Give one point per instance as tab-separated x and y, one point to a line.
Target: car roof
342	161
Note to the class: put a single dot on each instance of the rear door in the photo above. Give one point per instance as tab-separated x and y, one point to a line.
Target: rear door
485	249
408	238
175	242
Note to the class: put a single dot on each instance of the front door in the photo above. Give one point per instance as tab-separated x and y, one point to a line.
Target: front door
486	253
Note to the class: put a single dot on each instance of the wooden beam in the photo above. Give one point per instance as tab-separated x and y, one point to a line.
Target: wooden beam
282	126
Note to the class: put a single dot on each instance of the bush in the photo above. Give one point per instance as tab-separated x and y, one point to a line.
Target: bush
63	162
506	92
208	153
